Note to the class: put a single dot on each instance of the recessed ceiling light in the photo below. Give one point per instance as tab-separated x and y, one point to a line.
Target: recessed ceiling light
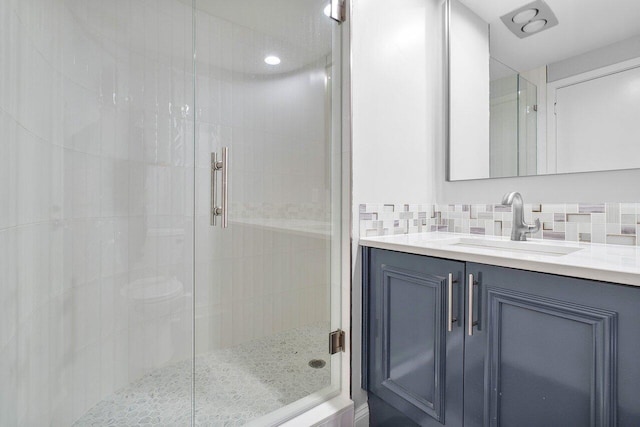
327	10
534	26
525	16
272	60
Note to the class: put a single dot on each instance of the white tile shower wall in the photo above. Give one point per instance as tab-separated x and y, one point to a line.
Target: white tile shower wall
95	200
608	223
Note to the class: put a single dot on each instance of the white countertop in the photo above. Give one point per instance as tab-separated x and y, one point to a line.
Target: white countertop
609	263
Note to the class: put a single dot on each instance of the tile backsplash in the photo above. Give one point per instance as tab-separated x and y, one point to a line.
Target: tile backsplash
609	223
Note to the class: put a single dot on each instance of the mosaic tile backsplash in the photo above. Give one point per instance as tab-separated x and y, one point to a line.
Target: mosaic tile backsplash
608	223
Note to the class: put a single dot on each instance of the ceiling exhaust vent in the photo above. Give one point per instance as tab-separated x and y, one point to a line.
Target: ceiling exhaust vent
530	19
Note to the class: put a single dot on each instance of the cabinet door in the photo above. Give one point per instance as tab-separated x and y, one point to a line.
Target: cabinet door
550	351
413	363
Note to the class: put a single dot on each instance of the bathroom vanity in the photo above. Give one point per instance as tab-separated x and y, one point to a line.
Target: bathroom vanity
485	332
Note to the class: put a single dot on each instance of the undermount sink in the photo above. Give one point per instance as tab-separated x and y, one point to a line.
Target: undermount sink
512	246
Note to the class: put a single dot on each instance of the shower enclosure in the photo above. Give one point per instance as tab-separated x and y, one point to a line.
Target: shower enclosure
513	122
143	280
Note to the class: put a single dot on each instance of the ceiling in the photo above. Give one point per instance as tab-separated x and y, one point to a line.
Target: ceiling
231	35
297	31
583	25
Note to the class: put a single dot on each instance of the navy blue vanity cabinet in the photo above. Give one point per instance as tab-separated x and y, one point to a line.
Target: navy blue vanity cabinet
528	349
413	359
547	350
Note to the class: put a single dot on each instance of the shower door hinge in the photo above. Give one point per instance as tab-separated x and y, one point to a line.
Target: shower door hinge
336	341
338	10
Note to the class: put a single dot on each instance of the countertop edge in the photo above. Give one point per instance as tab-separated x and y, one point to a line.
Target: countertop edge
610	276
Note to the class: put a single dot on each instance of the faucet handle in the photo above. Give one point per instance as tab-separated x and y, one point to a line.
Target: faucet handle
534	228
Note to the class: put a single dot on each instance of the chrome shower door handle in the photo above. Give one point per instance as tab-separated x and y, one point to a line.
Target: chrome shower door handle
214	207
225	187
223	166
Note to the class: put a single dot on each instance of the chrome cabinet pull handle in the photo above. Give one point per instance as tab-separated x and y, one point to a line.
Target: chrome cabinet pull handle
470	322
223	166
450	318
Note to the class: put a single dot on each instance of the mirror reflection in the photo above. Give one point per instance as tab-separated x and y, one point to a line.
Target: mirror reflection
543	87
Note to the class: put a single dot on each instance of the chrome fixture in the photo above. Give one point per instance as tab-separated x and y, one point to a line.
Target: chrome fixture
223	166
450	318
530	19
470	322
519	228
338	10
336	341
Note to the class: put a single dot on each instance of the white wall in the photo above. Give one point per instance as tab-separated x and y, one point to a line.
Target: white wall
395	81
391	135
469	97
598	58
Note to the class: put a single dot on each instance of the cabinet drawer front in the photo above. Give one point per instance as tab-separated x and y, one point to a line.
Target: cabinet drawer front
408	334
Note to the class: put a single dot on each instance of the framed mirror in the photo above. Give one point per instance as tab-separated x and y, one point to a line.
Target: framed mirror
542	87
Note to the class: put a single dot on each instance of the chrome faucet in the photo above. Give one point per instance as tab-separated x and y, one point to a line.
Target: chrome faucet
519	229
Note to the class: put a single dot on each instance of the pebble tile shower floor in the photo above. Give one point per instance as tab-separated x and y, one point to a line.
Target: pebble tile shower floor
233	386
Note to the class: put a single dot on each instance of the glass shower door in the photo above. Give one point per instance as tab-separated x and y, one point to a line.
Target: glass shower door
527	127
267	106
